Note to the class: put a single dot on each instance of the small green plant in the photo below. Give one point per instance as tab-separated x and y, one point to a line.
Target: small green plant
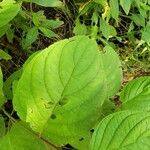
29	24
64	91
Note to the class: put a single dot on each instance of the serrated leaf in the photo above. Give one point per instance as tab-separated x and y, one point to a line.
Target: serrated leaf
31	37
46	3
113	70
21	138
136	94
119	130
58	86
126	5
8	11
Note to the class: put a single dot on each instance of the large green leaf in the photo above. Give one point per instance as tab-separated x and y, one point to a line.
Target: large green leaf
21	138
119	130
136	94
113	70
8	10
58	86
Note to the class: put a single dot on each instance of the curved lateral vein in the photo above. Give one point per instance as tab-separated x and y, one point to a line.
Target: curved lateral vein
121	144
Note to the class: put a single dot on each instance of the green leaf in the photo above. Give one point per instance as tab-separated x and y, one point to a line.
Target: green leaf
2	126
138	19
31	37
126	5
101	2
58	86
38	17
136	94
4	55
79	29
114	5
8	83
107	108
4	29
119	130
8	11
141	144
2	98
22	138
131	27
46	3
112	69
21	22
108	31
10	35
146	34
51	24
47	32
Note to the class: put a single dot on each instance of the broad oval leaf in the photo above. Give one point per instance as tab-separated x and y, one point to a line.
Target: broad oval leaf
58	86
8	11
112	69
136	94
119	130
